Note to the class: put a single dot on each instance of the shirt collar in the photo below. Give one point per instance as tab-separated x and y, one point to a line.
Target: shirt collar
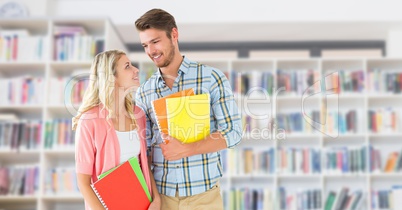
184	68
185	65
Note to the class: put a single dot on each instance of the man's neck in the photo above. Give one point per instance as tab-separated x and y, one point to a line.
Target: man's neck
170	73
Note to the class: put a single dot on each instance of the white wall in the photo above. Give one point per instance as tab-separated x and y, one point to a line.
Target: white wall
35	8
206	11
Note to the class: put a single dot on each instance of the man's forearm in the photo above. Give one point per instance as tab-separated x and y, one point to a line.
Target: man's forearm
213	143
175	150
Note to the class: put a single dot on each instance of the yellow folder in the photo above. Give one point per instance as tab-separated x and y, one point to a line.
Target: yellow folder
189	117
159	108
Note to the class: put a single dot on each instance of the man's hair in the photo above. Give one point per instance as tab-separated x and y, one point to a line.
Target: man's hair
157	19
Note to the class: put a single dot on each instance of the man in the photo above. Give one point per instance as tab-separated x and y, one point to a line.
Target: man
186	175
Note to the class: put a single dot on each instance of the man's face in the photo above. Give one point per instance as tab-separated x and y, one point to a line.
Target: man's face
158	46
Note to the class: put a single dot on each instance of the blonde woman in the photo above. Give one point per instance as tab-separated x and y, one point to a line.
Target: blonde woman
110	129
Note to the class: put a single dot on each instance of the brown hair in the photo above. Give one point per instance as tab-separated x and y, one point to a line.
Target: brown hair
158	19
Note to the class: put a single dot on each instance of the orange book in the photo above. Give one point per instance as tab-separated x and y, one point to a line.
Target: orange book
159	108
391	162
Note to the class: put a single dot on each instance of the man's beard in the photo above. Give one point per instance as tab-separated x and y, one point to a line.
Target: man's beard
169	58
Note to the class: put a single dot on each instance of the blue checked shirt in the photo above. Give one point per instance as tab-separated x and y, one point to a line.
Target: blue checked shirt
198	173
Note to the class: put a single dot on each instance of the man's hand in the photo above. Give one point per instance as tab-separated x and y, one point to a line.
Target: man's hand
173	149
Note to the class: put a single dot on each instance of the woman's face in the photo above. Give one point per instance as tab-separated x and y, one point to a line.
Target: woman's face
127	76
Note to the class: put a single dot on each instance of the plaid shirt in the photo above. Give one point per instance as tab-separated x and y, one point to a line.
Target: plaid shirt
198	173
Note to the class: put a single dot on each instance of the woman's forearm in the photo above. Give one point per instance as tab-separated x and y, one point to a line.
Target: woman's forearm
84	184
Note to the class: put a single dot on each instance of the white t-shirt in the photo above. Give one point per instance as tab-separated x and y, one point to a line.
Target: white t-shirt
129	144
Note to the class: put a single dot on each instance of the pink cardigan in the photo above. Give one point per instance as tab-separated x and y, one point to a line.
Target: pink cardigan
97	147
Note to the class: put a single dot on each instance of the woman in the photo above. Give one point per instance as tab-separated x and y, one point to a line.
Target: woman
110	129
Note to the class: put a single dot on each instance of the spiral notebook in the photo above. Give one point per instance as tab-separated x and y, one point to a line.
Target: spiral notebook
123	187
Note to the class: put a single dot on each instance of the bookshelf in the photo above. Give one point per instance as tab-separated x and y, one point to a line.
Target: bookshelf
268	150
64	48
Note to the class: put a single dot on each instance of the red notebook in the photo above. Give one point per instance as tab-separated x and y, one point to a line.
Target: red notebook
121	189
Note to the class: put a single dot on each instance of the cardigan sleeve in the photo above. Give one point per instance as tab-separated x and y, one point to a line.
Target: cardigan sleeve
84	147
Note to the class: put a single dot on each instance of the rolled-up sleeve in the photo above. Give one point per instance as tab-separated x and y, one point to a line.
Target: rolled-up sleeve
225	109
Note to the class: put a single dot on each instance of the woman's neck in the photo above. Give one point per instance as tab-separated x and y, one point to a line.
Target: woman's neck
121	118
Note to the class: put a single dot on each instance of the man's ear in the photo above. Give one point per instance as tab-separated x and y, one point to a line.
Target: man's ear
175	34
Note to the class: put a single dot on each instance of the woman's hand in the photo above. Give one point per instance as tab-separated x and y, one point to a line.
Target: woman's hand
156	204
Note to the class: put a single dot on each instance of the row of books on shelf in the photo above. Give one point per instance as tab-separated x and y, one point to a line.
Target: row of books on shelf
291	160
299	199
387	198
23	180
245	83
344	199
342	122
20	45
61	180
68	90
341	81
298	161
296	122
28	90
381	120
393	161
384	120
381	81
77	47
345	160
260	162
19	180
248	199
291	198
20	135
22	90
307	81
298	82
72	43
58	134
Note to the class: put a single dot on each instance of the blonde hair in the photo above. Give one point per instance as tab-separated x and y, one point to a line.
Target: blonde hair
101	86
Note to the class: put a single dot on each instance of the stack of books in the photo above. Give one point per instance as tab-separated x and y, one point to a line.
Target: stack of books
183	115
123	187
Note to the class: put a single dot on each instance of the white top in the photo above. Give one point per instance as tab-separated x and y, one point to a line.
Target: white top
129	144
